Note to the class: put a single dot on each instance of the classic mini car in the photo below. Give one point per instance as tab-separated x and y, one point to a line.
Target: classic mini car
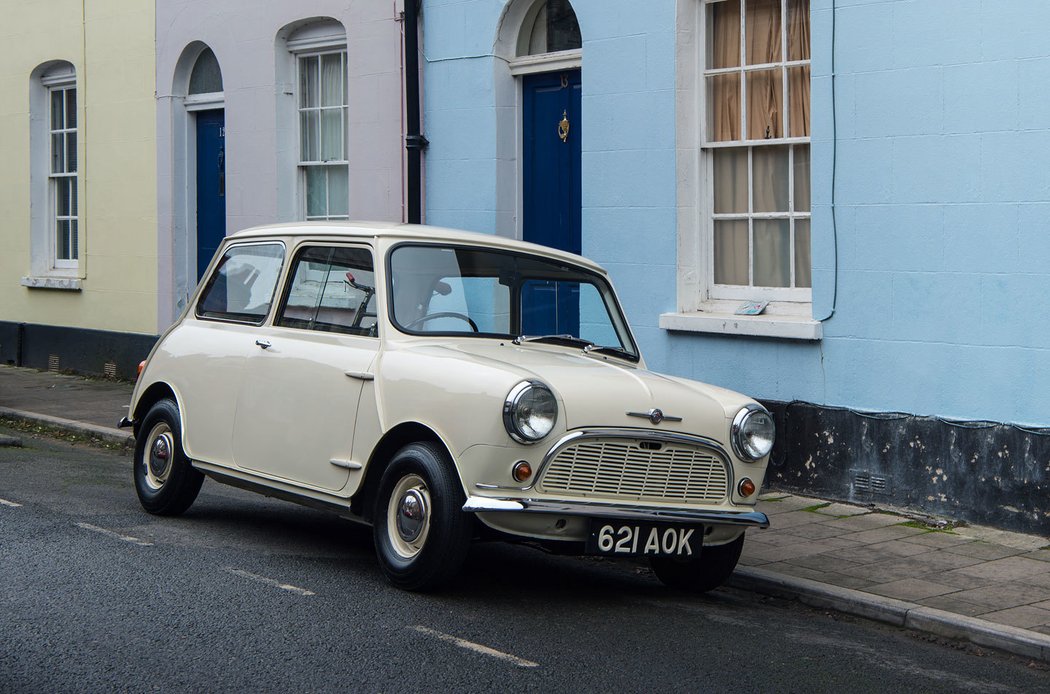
444	386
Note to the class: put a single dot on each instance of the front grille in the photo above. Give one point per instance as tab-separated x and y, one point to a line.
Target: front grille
637	470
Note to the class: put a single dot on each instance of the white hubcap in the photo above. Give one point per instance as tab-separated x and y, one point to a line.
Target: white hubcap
408	516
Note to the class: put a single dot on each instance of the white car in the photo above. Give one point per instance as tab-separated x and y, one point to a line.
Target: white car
444	386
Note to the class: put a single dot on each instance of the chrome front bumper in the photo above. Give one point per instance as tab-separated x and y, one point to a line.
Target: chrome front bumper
481	504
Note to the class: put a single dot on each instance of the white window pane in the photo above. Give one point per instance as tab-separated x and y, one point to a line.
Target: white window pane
723	110
723	32
332	147
309	134
316	192
71	108
798	30
765	104
71	152
538	35
206	77
333	80
63	198
803	255
731	251
769	170
58	153
74	238
62	245
308	82
772	253
763	31
802	178
338	191
57	121
798	95
730	180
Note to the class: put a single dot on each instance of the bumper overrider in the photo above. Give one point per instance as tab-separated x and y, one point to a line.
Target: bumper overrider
596	509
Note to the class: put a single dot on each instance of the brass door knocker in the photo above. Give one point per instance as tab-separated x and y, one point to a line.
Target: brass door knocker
563	126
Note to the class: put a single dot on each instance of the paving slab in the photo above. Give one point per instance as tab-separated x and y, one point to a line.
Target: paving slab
953	604
1002	596
1026	616
1007	569
867	521
939	539
889	532
979	549
910	589
840	510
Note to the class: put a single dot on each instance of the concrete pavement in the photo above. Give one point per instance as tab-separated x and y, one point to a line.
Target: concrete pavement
980	584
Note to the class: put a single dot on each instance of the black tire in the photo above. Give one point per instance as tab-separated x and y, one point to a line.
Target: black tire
165	481
423	551
702	573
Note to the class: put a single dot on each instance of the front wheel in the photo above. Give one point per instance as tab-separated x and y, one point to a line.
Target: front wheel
165	481
701	573
421	532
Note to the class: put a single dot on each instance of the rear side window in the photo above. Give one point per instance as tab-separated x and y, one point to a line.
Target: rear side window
331	289
241	287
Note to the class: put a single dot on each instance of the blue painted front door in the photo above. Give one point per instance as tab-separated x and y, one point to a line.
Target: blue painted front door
551	193
211	185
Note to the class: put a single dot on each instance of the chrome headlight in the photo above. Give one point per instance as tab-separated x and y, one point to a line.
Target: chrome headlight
529	412
753	432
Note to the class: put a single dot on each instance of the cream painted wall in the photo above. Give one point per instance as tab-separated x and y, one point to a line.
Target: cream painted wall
113	50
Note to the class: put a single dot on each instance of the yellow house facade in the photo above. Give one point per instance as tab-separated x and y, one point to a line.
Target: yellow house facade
78	185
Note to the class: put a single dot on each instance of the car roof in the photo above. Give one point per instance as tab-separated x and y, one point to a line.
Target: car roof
408	232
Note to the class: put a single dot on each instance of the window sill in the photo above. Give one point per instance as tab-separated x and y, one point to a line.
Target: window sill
718	318
69	284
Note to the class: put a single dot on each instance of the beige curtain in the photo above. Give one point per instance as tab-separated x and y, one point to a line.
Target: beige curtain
724	90
765	88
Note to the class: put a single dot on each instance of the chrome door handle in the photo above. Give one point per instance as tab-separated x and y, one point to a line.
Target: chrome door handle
265	344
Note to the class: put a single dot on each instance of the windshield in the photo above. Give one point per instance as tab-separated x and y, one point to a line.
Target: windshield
469	291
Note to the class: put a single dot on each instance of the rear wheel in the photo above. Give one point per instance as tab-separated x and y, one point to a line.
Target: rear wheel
421	532
165	481
701	573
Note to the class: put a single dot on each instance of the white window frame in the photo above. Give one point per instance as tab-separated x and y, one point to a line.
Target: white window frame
749	292
64	83
317	50
704	306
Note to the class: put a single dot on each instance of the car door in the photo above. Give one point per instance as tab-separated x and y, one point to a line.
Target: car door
299	397
212	345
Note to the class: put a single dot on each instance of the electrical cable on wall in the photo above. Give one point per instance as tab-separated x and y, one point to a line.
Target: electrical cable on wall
834	176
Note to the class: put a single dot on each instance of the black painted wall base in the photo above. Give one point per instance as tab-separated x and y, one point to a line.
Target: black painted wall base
77	350
980	472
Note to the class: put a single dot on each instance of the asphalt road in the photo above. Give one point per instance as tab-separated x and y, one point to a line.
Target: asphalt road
245	593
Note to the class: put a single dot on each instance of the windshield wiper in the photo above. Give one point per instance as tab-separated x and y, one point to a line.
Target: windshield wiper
570	340
573	341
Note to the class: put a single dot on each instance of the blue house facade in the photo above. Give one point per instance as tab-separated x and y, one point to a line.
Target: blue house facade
865	172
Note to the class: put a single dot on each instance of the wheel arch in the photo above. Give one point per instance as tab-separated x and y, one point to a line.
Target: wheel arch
393	441
151	396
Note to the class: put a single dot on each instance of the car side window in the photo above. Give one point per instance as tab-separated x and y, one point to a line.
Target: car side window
241	287
332	289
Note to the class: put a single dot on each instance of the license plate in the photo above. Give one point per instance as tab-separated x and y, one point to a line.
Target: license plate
624	539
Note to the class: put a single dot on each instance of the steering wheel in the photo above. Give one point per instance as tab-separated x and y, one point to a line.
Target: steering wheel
443	314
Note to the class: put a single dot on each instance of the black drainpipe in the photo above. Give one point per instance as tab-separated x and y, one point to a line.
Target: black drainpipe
415	143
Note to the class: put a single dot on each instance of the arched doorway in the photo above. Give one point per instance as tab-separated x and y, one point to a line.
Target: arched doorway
205	100
542	44
547	62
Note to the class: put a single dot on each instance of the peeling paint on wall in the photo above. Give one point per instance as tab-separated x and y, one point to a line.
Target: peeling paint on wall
981	472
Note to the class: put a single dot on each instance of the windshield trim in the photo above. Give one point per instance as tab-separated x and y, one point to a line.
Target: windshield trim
630	351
